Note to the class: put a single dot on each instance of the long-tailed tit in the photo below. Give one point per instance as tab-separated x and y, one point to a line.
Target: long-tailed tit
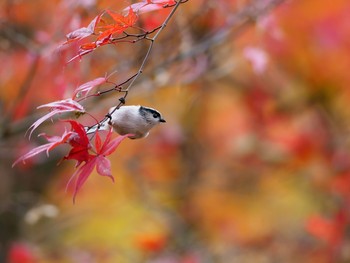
136	120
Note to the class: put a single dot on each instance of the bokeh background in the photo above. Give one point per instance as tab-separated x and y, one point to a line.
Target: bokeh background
253	164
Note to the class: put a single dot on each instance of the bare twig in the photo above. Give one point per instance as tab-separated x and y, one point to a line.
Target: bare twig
237	23
134	77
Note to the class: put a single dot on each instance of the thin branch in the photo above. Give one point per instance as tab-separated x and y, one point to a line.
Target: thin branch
139	72
237	23
143	63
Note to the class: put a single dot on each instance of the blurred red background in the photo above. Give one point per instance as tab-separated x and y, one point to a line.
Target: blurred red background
252	165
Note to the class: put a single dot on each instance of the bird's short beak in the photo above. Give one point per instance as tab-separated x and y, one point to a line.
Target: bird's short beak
162	120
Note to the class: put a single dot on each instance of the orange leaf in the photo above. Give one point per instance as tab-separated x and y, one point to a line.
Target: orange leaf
124	21
88	46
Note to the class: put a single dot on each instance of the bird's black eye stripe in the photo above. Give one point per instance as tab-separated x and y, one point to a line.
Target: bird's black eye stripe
154	113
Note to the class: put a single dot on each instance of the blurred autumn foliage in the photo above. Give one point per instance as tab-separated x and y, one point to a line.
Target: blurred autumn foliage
253	164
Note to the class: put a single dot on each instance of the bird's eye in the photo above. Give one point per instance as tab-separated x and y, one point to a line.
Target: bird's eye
155	116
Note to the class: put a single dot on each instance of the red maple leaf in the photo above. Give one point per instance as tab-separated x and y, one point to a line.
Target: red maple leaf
124	21
77	138
121	23
81	148
98	160
80	144
56	107
54	141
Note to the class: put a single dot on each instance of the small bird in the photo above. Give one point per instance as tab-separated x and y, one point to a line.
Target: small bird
134	119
